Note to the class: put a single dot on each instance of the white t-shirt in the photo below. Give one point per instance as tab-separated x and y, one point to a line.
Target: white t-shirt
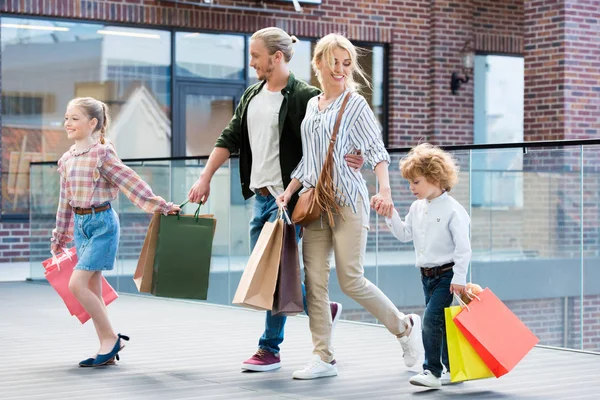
263	130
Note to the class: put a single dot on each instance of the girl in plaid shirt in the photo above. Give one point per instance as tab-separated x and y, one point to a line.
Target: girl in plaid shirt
91	176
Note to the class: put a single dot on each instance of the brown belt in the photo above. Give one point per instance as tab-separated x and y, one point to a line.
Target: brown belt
263	191
436	271
82	211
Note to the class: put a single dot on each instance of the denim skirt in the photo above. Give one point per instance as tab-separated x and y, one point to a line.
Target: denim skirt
96	240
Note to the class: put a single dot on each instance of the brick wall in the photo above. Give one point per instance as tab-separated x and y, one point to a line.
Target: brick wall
562	69
582	69
14	242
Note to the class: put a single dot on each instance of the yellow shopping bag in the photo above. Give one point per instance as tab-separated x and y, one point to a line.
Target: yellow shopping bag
465	363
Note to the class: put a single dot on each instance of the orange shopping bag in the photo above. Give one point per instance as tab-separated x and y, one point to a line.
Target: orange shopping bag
58	275
496	334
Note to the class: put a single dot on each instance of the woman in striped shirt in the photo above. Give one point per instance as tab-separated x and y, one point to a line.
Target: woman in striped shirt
335	64
91	176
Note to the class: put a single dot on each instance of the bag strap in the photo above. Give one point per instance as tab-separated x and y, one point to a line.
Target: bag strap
338	122
325	190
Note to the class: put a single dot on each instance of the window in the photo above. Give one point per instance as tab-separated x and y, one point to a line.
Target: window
209	56
498	108
45	63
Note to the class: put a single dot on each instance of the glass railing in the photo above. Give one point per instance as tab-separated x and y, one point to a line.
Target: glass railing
535	233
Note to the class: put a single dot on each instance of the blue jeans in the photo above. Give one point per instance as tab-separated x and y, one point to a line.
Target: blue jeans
437	297
265	210
96	238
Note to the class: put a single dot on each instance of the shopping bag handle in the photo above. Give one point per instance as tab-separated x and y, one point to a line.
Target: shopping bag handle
196	214
460	301
282	212
55	259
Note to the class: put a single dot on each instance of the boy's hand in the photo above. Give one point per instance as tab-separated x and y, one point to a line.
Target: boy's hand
458	289
382	204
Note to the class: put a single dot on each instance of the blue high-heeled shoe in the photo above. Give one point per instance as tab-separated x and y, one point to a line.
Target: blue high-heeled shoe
102	359
88	362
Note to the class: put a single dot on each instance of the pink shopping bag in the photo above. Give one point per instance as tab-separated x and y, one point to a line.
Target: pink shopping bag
59	275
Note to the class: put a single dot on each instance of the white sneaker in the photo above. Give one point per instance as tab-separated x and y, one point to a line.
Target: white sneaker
445	379
412	345
316	368
427	379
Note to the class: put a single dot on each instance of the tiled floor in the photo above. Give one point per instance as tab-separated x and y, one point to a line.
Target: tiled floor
187	350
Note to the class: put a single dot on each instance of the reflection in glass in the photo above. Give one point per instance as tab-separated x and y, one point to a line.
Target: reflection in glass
498	118
205	118
46	63
207	55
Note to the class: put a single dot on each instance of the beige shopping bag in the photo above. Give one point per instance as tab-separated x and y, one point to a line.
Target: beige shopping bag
258	282
145	266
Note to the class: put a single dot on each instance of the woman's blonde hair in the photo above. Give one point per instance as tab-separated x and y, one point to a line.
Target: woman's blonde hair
276	39
324	53
433	163
94	109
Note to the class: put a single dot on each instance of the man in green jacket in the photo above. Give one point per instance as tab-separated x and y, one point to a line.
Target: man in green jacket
265	130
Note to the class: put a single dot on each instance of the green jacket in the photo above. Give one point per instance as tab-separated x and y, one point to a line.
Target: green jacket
235	137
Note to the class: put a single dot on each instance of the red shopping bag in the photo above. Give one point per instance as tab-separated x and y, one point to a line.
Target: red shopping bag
59	275
496	334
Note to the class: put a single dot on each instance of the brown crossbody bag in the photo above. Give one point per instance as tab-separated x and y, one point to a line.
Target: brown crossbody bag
322	198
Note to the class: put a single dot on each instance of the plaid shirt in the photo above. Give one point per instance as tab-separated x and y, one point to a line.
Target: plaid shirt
93	177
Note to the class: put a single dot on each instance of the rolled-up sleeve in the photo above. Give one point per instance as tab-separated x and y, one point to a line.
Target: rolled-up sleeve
63	233
298	172
366	134
131	184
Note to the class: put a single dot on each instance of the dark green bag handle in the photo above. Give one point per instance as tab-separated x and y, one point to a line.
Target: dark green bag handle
196	214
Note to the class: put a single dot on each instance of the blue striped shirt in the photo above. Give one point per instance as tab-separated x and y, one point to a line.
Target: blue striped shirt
359	130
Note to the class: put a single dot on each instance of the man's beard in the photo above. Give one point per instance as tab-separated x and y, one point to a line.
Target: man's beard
266	73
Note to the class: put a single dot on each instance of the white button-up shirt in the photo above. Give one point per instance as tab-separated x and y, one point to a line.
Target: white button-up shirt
359	130
439	229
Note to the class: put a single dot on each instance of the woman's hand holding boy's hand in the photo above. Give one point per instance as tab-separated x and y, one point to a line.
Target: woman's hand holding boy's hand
382	203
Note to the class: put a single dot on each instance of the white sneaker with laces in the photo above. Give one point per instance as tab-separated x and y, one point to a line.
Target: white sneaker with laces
427	379
412	345
316	368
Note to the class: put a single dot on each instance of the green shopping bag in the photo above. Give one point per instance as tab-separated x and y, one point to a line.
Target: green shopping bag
183	255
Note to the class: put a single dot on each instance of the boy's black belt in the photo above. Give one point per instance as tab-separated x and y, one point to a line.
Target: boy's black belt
436	271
